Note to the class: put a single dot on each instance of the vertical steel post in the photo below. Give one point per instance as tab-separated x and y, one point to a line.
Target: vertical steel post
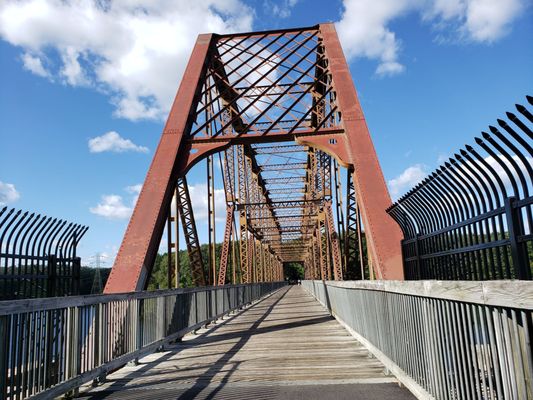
211	221
76	276
513	227
177	241
169	248
52	276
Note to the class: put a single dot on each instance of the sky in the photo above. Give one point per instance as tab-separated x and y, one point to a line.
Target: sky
85	87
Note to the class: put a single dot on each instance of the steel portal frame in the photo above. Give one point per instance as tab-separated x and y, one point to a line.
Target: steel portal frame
272	96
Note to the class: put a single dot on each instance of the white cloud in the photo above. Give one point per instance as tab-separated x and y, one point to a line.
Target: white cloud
363	31
134	189
406	180
132	50
445	9
488	20
8	193
34	64
364	27
283	9
71	70
389	68
112	141
112	207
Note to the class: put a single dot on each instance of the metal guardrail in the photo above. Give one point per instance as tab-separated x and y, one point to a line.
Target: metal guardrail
38	255
471	219
51	346
443	340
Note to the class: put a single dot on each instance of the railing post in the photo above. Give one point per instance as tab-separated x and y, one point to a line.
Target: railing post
3	355
139	323
209	299
512	214
76	273
138	305
73	356
417	255
161	312
52	276
99	326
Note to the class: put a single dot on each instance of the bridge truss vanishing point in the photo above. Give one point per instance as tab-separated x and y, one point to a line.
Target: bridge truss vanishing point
278	110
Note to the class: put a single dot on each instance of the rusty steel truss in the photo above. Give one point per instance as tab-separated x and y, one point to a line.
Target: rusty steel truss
281	110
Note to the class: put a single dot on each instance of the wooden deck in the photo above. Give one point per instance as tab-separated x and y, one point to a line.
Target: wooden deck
284	346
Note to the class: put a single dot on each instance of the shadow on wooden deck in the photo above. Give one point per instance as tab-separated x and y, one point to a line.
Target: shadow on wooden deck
284	347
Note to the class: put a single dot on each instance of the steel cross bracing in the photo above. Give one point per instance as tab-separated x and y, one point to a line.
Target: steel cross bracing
191	235
281	111
353	254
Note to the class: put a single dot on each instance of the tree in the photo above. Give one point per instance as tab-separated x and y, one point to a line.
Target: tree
293	271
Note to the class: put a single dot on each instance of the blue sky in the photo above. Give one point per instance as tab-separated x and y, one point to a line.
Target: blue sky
85	89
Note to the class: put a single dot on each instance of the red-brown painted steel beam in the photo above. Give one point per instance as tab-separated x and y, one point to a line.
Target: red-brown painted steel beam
383	233
141	240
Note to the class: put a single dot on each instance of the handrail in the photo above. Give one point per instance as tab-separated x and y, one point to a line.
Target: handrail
502	293
50	303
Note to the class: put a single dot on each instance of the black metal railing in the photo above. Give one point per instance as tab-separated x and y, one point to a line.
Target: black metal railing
38	255
471	219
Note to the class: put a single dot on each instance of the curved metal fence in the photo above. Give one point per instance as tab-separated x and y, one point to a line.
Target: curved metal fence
38	255
471	218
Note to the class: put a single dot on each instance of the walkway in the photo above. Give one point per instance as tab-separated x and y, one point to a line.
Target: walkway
283	347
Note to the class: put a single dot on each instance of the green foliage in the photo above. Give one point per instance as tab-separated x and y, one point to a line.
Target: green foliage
159	278
293	270
354	269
